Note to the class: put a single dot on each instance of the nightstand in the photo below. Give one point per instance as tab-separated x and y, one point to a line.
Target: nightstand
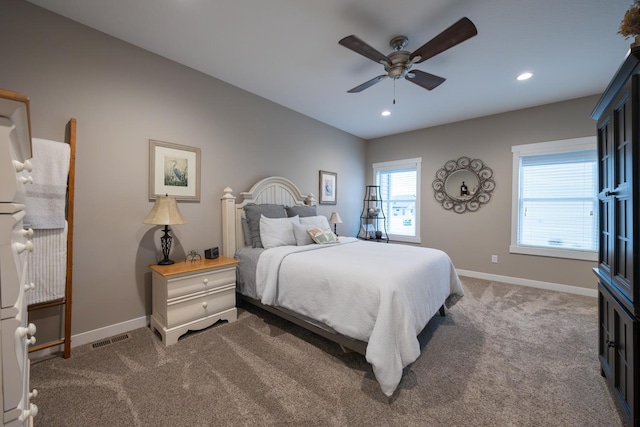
189	296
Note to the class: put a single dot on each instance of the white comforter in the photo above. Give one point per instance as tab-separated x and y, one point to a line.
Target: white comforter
376	292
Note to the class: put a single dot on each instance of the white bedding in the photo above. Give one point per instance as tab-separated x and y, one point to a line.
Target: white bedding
380	293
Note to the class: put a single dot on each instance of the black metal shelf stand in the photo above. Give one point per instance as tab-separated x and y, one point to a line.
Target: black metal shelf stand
373	223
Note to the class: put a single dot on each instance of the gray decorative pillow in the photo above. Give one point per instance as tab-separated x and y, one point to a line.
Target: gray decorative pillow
253	212
246	233
301	211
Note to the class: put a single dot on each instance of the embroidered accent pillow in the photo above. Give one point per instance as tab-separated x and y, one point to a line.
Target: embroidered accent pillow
322	235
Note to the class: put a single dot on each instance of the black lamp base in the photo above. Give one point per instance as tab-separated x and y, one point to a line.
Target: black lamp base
165	240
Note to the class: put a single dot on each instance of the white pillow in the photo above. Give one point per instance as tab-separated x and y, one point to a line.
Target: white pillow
322	235
277	231
318	221
300	233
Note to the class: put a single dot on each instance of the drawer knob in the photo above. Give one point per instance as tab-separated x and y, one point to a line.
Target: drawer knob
33	394
22	166
28	246
29	330
31	341
26	166
29	287
26	179
31	412
610	344
28	233
205	281
205	304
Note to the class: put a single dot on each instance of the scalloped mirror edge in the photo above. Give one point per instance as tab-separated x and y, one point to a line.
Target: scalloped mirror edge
463	185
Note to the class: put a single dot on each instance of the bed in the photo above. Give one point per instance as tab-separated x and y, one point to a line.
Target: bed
372	298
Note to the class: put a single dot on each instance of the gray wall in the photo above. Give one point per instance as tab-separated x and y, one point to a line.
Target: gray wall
122	96
471	238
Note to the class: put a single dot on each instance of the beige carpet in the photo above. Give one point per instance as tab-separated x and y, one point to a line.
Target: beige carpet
503	356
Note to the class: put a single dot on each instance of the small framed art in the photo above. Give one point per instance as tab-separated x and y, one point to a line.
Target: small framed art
174	170
328	188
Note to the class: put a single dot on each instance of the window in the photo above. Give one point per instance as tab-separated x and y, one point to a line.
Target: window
399	183
555	203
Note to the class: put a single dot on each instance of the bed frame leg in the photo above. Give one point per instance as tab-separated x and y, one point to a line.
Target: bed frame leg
345	349
442	310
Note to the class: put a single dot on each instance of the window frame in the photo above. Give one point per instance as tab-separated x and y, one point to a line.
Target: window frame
565	145
400	164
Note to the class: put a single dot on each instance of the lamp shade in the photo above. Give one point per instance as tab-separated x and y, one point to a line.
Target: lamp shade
335	218
164	212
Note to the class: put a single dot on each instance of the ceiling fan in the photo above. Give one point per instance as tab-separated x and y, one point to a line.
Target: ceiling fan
398	63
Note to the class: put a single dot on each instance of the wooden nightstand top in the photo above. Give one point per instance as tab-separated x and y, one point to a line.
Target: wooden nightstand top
182	267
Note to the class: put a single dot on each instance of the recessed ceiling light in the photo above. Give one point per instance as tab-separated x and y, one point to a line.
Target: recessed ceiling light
386	113
525	76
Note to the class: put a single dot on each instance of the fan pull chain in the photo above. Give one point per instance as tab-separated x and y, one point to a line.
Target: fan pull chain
394	91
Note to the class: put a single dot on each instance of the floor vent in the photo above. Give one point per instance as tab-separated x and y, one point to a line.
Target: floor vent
107	341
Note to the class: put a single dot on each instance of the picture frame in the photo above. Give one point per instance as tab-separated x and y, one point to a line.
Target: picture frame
328	188
174	170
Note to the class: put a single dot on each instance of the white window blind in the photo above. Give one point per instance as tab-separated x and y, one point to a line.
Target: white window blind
399	190
557	205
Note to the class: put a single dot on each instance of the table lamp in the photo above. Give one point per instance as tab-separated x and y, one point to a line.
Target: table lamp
335	219
165	212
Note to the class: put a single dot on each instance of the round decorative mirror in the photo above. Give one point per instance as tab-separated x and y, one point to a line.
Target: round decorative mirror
463	185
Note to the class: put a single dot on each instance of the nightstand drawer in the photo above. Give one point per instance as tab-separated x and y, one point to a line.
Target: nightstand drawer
201	305
193	283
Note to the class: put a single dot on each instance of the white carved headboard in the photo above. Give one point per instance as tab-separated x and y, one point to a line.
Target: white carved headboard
274	189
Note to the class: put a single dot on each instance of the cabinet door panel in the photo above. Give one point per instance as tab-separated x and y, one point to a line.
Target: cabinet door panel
622	275
616	350
605	186
623	374
605	335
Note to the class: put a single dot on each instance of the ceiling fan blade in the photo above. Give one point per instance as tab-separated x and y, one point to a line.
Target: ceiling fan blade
358	46
365	85
455	34
425	80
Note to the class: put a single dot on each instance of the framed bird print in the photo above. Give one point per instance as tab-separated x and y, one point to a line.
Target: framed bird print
328	188
174	170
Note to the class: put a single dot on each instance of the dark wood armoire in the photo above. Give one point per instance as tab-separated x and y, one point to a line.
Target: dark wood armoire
618	116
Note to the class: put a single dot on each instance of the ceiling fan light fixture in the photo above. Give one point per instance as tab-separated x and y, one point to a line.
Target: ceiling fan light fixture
524	76
398	63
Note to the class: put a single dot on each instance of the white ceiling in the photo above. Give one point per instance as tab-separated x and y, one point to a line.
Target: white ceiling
287	51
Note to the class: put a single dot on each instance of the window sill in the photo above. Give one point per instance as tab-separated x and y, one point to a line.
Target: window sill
554	253
404	239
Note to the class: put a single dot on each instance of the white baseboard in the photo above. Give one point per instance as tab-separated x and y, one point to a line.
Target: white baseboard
531	283
95	335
